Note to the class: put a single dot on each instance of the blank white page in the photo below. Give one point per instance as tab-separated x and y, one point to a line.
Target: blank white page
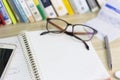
62	57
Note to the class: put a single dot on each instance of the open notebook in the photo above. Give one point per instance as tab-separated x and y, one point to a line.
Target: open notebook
60	57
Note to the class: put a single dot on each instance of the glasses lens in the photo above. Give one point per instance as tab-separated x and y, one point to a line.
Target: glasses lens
56	25
83	32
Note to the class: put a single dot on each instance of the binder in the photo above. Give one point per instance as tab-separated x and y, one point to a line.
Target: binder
13	10
32	7
12	16
2	22
26	10
50	12
40	8
93	5
101	2
79	6
59	7
68	7
4	13
19	11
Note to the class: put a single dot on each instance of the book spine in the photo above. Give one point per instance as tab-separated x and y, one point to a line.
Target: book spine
68	7
84	8
59	7
34	10
40	8
12	17
74	6
80	6
101	2
93	5
49	9
4	13
26	10
13	8
2	22
21	11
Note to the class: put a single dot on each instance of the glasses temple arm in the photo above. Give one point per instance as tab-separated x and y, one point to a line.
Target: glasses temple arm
56	25
71	34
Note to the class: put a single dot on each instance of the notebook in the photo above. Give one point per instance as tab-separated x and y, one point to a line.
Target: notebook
60	57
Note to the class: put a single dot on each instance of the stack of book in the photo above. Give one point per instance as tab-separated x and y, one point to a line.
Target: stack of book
29	11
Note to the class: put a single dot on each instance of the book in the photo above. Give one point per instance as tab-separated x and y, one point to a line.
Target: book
40	8
14	10
2	21
93	5
19	11
26	10
59	56
49	10
59	7
101	2
79	6
4	13
32	7
9	11
68	7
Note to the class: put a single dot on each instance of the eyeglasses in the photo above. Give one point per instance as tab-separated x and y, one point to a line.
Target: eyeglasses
79	31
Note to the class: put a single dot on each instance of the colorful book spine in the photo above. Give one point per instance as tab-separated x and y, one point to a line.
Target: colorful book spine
26	10
79	6
40	9
13	10
12	16
49	9
34	10
2	22
59	7
4	13
68	7
20	11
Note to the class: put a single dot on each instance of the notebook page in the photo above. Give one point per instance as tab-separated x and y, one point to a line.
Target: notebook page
17	69
61	57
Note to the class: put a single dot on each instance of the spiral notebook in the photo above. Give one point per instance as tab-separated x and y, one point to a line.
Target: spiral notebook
60	57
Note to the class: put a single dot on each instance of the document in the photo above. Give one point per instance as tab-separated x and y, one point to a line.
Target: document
107	21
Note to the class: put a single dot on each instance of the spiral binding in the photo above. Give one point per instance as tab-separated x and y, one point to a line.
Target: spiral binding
33	65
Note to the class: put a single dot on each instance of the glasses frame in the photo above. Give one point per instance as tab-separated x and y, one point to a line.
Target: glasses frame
61	30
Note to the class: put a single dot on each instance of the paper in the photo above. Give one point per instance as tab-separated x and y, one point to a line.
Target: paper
107	21
62	57
17	69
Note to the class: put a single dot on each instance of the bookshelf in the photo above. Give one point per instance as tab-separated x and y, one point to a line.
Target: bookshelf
10	30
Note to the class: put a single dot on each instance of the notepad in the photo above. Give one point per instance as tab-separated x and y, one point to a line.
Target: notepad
60	57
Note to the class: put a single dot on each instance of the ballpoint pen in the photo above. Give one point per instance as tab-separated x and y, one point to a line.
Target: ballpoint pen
108	53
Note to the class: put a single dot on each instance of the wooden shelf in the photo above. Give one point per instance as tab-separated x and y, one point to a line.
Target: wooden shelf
10	30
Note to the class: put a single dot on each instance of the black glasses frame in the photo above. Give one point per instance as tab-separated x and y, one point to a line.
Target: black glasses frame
61	30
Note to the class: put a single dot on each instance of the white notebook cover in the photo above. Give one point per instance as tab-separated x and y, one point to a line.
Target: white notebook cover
62	57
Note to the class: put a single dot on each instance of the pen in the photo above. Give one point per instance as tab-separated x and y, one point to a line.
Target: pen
108	53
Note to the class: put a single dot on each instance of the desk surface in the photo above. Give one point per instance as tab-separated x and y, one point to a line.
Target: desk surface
98	44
